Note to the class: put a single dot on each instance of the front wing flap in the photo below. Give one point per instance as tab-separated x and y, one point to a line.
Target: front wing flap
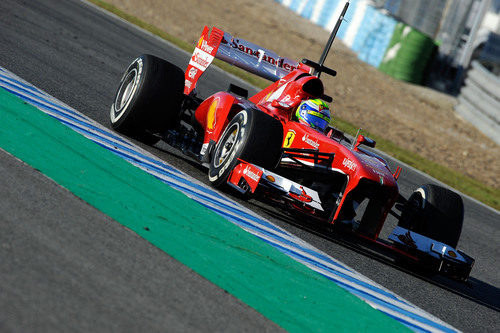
439	256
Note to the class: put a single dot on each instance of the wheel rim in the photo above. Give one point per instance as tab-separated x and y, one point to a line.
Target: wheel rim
124	95
227	145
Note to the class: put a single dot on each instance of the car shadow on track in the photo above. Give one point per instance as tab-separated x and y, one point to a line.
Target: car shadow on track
474	289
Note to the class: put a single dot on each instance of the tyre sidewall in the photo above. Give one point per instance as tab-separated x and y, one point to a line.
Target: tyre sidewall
155	102
122	119
218	173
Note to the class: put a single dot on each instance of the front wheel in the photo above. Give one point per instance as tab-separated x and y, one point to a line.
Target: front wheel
148	99
252	136
435	212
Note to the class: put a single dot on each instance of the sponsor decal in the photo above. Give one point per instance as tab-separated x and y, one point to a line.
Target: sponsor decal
188	83
347	163
207	48
211	114
406	239
258	53
313	143
201	59
203	44
192	72
452	254
250	174
381	180
289	139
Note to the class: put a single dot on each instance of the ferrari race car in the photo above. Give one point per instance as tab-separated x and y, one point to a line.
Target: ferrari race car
256	146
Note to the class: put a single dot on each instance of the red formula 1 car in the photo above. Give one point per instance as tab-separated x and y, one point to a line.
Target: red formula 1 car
256	146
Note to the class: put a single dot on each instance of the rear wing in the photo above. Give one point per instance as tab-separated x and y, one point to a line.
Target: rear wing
237	52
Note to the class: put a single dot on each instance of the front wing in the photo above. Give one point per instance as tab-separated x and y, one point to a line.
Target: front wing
426	252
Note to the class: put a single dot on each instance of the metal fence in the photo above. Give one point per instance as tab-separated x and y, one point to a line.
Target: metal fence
479	101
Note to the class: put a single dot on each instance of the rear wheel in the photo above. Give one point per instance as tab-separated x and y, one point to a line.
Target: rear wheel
148	99
251	135
435	212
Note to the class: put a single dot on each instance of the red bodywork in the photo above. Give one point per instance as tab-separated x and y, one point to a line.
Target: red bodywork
362	170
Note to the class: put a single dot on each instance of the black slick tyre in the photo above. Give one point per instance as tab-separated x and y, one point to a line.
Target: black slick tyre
435	212
252	136
148	99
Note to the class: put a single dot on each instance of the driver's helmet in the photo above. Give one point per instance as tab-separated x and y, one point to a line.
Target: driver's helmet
315	113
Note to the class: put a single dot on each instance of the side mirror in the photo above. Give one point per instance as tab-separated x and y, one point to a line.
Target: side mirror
363	140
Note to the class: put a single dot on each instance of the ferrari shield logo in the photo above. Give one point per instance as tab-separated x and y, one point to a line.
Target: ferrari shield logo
289	139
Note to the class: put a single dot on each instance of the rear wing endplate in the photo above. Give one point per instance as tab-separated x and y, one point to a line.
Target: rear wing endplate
237	52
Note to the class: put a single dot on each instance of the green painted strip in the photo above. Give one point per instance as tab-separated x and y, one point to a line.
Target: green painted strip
283	290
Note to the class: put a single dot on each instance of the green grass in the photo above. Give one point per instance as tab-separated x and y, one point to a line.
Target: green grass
463	183
457	180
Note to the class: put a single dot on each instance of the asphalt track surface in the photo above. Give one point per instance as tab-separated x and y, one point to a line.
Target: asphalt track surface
78	54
